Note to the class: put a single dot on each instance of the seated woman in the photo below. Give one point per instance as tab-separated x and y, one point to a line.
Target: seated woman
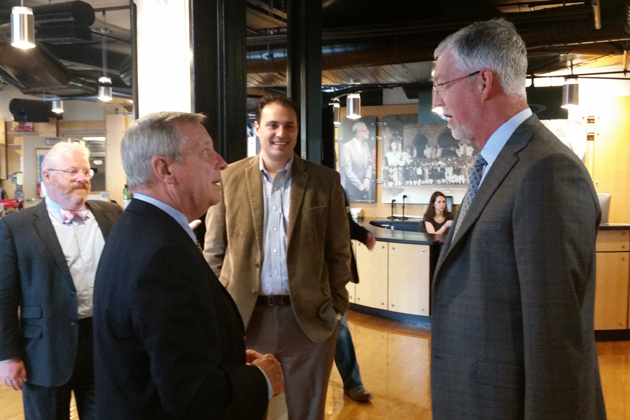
437	219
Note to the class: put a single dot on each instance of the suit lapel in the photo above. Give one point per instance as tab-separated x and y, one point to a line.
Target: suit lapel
299	179
104	223
504	163
46	231
255	194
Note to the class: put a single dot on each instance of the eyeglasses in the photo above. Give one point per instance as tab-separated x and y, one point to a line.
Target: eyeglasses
436	88
73	173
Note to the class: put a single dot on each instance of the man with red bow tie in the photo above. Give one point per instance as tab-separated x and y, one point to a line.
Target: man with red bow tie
48	258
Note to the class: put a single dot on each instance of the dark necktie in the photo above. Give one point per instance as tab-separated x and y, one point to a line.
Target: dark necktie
473	185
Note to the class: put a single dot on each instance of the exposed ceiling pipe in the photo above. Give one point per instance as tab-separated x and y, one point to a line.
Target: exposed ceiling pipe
405	49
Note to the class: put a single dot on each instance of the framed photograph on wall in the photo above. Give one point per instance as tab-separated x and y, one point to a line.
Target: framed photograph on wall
356	159
419	159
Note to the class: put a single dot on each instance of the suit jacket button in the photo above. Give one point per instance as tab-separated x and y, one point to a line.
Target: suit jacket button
73	323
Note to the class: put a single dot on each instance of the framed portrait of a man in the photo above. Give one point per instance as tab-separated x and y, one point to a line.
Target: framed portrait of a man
356	159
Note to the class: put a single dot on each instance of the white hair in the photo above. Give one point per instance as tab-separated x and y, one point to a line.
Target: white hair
153	135
493	45
61	149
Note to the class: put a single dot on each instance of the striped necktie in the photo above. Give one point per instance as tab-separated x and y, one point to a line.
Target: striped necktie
473	185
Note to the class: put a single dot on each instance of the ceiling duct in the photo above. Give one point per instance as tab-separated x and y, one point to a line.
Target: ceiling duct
33	68
560	29
31	111
78	12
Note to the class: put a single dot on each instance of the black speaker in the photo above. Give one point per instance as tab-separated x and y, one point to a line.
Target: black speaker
25	110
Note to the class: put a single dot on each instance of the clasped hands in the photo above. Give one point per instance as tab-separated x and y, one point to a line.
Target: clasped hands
270	365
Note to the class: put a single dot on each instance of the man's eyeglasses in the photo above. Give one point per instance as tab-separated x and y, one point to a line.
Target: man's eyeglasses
438	88
73	173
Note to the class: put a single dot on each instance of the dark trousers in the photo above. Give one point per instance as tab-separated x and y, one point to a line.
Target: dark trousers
53	403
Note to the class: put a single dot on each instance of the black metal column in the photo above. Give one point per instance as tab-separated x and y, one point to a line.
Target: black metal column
219	74
304	73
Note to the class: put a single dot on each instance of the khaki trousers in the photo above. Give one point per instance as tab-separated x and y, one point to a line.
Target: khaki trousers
306	365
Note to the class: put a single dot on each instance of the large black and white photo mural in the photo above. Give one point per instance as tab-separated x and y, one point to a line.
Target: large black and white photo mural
419	159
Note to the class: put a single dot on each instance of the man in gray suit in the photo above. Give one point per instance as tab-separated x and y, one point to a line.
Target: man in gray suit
513	291
48	259
355	165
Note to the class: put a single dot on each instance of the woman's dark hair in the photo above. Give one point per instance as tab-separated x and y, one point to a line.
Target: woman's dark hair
430	213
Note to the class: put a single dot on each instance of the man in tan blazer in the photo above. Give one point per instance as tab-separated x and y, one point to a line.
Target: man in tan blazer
278	241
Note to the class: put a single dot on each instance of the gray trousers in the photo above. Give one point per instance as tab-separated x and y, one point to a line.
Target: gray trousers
306	365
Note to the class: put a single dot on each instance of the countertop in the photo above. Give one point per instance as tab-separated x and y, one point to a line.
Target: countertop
399	236
614	226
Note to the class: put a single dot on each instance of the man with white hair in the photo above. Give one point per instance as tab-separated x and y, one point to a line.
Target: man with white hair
48	259
513	290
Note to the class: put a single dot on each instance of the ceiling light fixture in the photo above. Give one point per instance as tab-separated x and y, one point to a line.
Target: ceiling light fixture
22	27
57	106
336	114
570	92
353	106
105	89
104	83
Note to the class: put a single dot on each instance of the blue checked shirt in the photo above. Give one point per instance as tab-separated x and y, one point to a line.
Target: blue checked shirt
277	199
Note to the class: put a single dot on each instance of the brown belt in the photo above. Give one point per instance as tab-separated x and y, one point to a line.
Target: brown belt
274	300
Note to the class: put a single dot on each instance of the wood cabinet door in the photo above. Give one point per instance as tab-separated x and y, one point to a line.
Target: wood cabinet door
409	282
611	291
372	288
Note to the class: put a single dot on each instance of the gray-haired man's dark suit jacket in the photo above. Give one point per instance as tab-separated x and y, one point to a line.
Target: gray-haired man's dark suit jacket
35	277
513	294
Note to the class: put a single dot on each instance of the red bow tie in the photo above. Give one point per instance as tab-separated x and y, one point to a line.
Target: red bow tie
69	215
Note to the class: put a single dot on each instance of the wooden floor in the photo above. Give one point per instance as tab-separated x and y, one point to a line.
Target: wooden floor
394	360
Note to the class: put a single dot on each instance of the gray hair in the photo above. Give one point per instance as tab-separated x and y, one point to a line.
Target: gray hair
153	135
63	148
355	126
494	45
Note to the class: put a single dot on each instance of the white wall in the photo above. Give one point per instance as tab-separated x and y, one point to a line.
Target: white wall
396	96
83	110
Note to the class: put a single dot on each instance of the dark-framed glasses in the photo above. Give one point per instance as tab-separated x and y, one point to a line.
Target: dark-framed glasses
440	87
73	173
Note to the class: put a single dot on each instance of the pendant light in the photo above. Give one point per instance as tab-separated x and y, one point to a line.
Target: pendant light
353	106
104	83
336	114
570	91
22	27
57	106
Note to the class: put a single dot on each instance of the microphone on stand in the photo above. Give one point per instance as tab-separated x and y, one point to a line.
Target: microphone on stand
392	216
403	211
